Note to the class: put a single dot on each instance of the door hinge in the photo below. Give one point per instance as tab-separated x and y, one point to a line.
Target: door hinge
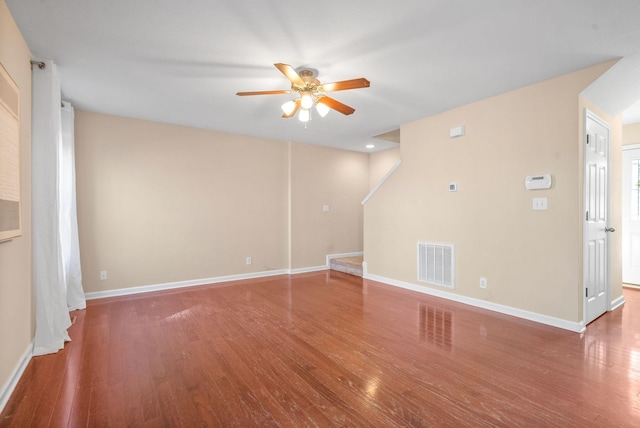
587	216
588	138
586	292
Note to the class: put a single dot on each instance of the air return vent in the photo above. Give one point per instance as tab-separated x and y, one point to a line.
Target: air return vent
436	264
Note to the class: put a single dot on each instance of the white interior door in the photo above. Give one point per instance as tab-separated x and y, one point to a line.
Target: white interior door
631	214
596	182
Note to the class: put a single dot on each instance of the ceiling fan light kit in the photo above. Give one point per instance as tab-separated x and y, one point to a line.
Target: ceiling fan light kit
304	115
311	93
306	101
288	107
322	109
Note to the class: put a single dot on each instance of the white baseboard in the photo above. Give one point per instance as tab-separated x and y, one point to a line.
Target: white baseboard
10	384
181	284
308	269
214	280
616	303
577	327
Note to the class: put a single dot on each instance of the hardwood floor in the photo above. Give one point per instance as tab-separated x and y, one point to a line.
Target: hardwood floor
328	349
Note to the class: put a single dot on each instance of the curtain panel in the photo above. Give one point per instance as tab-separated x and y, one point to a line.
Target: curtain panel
56	263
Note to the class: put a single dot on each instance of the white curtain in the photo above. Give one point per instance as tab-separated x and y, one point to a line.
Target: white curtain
68	212
56	262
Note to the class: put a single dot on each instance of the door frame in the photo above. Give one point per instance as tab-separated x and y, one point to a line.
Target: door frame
622	229
589	115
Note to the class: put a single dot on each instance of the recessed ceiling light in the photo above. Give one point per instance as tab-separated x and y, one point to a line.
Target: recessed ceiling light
370	146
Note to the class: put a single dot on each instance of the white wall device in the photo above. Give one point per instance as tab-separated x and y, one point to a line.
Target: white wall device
458	131
537	182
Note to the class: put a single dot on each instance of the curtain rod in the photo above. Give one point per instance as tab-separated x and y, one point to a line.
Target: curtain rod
41	65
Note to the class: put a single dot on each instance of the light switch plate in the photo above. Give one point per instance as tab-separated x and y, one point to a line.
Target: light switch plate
539	204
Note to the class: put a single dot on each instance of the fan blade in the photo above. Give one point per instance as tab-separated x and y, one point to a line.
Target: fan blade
290	73
346	84
294	111
282	91
336	105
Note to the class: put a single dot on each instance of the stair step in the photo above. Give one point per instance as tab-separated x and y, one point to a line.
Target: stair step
350	265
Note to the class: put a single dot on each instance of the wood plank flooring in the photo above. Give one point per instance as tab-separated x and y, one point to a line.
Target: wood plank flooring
327	349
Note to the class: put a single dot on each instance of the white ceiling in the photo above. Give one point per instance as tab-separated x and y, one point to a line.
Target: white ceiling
183	62
632	114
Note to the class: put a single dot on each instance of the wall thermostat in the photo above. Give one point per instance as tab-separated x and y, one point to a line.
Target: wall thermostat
537	182
458	131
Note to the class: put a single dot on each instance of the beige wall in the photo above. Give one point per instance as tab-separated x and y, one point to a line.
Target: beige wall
324	176
162	203
532	259
631	134
380	163
17	324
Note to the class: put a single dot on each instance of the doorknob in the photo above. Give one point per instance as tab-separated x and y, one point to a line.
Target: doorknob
609	229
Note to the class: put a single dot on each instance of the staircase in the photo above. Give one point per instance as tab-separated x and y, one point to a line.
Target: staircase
350	265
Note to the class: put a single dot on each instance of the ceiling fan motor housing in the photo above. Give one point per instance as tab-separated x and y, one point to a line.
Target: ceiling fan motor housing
311	84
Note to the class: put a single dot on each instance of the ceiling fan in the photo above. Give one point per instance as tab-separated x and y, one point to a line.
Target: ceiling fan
311	93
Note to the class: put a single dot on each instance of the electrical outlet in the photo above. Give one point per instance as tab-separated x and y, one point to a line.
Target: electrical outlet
483	282
248	261
103	275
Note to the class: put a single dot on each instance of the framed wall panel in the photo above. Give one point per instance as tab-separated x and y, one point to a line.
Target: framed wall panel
10	204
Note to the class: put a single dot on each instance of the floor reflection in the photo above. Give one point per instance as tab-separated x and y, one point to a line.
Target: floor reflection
596	352
435	325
